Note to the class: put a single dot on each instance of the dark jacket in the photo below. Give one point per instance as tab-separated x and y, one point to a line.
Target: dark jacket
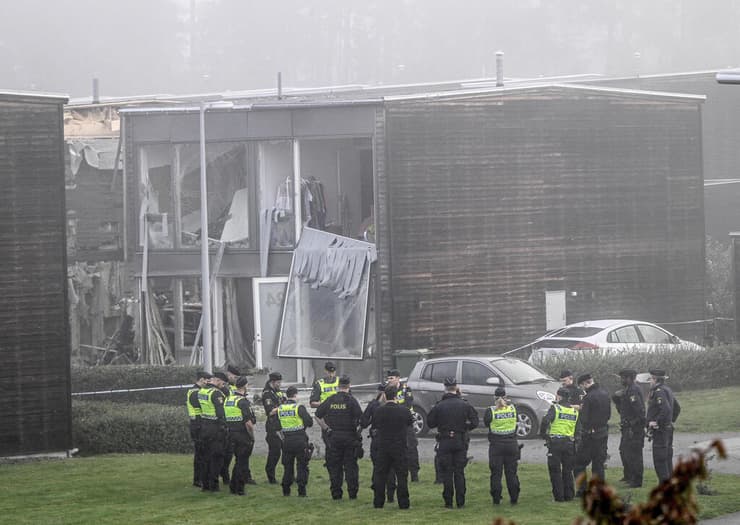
271	398
663	408
596	409
392	421
631	407
452	414
341	412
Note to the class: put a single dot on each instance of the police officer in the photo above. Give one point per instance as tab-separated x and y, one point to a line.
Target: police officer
294	419
232	374
631	408
405	397
662	411
212	431
503	449
453	418
339	415
323	389
575	394
592	432
240	421
272	398
193	406
368	420
559	430
391	422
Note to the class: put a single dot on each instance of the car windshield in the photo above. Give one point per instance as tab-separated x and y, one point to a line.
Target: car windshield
519	372
579	331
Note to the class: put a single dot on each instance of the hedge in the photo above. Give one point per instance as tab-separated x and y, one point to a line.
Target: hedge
687	370
103	427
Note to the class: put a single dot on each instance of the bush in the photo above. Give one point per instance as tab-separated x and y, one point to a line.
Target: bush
115	377
103	427
687	370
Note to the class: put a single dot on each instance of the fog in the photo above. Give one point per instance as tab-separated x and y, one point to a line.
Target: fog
141	47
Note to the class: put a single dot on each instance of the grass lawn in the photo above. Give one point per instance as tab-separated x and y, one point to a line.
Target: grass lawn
155	489
705	411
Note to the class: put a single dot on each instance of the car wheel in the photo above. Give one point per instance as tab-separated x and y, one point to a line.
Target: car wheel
420	421
526	427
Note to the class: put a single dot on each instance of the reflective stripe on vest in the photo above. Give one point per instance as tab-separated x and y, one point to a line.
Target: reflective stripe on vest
232	412
328	389
564	424
193	412
290	421
503	420
207	408
401	398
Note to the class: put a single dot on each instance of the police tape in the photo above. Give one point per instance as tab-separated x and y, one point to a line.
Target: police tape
182	387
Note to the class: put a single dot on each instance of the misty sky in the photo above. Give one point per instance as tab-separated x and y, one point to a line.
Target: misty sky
190	46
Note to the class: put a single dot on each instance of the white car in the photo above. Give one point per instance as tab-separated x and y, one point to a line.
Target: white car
606	335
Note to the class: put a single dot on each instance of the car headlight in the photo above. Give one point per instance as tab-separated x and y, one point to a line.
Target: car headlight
546	396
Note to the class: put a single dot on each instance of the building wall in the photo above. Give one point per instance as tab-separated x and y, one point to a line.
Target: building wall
34	340
494	200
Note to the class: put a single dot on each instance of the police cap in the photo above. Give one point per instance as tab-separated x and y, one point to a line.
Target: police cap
202	374
500	392
393	372
242	381
566	373
450	381
233	370
291	391
627	372
564	393
329	366
276	376
584	377
221	376
344	381
657	372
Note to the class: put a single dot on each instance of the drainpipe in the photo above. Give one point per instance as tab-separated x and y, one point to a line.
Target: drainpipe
499	68
205	292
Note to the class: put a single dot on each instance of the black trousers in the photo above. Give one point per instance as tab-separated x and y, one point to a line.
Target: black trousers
390	463
294	459
274	446
503	458
631	444
242	444
560	466
212	435
197	451
592	451
341	461
412	452
390	481
452	456
228	456
663	453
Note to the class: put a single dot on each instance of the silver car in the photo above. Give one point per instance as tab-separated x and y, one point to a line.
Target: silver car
531	390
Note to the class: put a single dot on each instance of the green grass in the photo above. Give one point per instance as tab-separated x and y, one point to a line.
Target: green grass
155	489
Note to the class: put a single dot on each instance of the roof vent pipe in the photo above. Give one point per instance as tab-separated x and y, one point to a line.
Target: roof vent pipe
637	57
95	91
280	86
499	68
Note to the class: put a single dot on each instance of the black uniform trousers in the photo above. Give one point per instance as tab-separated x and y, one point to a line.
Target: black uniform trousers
228	456
452	456
560	466
213	436
412	452
592	450
631	444
197	450
274	447
341	461
242	444
503	458
390	464
390	481
663	452
295	459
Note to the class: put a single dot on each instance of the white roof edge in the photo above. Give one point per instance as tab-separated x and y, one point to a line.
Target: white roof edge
509	89
33	94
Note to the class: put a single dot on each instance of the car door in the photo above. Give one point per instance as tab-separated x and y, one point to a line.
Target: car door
654	338
430	385
625	339
474	386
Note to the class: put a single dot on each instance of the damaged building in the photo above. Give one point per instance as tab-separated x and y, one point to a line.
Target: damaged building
353	224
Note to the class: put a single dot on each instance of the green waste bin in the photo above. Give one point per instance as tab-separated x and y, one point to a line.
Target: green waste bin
406	359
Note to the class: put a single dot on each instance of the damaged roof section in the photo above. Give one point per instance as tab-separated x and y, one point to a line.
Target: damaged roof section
98	153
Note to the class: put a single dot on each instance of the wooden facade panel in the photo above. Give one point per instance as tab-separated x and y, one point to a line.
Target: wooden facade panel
34	343
494	201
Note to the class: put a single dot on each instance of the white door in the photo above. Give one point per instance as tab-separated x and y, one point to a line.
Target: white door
268	297
554	309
